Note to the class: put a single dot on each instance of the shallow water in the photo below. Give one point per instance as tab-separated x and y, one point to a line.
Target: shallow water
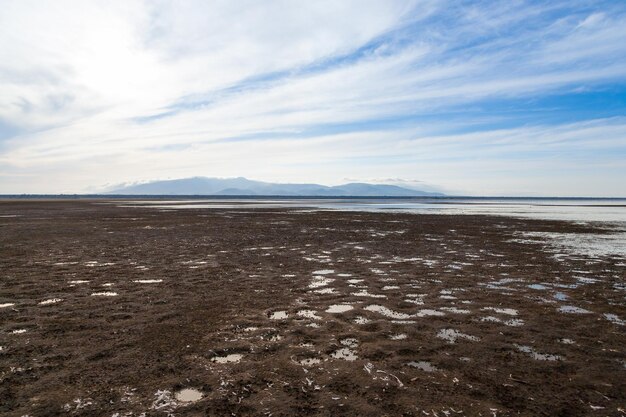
580	210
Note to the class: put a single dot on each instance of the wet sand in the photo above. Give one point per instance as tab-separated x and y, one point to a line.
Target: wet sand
112	311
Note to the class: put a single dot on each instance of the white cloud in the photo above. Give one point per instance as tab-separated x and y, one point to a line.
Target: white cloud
76	77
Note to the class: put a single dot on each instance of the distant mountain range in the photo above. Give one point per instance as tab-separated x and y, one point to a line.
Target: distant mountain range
245	187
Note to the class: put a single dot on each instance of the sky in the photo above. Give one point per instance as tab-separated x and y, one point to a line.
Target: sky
488	98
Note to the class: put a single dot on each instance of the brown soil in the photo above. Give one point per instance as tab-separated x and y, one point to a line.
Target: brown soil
224	272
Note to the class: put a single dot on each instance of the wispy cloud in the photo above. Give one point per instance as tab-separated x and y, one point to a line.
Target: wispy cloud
471	96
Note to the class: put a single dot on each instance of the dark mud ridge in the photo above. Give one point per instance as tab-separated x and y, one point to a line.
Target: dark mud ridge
111	311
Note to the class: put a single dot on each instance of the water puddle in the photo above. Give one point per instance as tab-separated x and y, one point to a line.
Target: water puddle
50	301
92	264
510	322
560	296
508	311
355	281
148	281
231	358
350	342
573	310
428	312
250	329
416	301
324	272
422	366
456	310
536	355
614	319
390	287
279	315
308	314
188	395
325	291
387	312
79	281
310	361
104	294
537	287
364	293
318	282
346	354
339	308
451	336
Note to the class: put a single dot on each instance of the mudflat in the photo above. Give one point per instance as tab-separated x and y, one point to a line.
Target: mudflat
115	311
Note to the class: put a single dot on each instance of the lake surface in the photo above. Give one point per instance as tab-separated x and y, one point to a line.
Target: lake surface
577	210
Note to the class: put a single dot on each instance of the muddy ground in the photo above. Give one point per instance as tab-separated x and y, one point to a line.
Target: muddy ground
112	311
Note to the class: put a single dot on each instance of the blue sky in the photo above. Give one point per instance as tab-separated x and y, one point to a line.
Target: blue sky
466	97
